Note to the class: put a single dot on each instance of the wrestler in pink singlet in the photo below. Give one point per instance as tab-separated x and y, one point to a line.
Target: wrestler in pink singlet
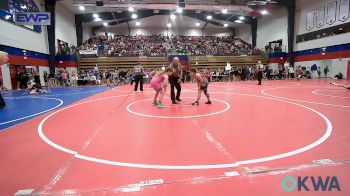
157	81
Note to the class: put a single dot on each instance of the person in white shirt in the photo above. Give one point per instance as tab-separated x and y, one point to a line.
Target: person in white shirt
93	79
291	72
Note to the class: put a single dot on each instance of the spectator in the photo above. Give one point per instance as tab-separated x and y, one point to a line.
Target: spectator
326	70
64	77
291	72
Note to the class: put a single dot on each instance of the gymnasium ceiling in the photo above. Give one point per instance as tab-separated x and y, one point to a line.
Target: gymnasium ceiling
115	12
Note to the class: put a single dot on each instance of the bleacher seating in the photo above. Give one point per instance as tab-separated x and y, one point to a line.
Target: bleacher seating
151	50
110	63
160	45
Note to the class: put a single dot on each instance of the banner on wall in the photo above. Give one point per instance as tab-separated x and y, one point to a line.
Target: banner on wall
33	18
320	12
8	9
343	10
88	52
331	13
310	20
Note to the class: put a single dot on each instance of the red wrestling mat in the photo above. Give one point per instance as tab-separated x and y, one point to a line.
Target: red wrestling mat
245	143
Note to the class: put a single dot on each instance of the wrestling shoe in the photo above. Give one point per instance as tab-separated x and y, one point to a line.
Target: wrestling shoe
208	102
160	106
195	103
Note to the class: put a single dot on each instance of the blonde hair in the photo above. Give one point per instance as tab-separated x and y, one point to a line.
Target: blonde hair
168	69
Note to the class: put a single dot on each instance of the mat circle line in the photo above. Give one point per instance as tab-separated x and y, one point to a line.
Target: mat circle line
35	114
189	167
315	92
263	91
190	116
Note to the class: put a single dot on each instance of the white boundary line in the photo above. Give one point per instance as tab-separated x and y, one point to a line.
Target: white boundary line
145	91
17	119
130	91
56	94
297	100
62	94
189	167
192	116
334	96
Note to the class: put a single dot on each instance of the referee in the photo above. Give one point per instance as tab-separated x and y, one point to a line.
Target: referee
259	68
175	80
3	59
138	72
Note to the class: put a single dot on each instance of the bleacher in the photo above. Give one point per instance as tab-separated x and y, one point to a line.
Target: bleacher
111	63
212	62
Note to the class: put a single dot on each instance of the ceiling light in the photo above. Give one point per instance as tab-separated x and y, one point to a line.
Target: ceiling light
238	21
81	8
209	17
224	11
264	12
172	16
179	10
168	25
198	24
23	7
134	16
138	23
95	15
98	19
105	24
241	17
131	9
225	25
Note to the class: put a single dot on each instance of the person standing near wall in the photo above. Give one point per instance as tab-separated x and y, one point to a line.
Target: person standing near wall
291	72
319	72
138	73
314	71
326	70
259	69
3	59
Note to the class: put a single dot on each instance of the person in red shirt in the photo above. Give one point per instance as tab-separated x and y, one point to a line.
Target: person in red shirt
64	78
299	72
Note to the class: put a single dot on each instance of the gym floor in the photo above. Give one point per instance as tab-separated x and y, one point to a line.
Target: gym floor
113	141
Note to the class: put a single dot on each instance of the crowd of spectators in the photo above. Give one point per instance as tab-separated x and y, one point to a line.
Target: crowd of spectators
93	77
120	45
211	45
160	45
